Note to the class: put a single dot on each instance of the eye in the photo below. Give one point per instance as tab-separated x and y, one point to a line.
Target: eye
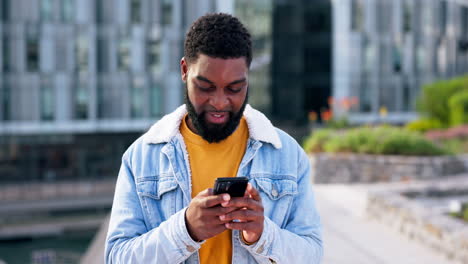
234	89
203	88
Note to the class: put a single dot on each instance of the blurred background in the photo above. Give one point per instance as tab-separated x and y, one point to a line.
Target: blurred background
80	80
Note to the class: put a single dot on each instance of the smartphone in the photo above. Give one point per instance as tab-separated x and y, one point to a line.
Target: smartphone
235	186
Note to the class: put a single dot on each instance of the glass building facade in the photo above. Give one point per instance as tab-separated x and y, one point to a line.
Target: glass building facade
384	51
82	79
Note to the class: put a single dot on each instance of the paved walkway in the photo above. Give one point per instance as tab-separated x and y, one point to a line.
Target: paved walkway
350	238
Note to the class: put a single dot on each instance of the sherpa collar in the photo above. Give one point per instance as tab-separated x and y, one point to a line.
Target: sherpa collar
260	128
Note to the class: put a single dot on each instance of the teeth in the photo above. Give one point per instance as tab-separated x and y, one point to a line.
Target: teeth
217	115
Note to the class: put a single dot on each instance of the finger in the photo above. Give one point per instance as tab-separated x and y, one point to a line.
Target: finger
253	192
213	200
242	215
248	226
205	193
219	210
241	202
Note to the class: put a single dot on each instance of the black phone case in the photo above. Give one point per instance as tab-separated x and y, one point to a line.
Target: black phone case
235	186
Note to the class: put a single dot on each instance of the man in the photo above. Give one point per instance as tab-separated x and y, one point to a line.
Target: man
164	210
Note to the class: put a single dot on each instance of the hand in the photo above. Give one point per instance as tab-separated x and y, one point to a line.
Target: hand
249	214
202	215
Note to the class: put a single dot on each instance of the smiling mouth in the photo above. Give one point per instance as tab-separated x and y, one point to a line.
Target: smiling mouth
217	117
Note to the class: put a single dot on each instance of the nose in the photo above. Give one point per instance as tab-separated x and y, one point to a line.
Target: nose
220	101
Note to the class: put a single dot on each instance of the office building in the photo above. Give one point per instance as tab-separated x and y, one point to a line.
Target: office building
81	79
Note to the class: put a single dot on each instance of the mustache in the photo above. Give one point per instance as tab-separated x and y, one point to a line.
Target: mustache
211	109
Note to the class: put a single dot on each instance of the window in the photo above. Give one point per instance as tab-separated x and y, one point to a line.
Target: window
166	10
32	48
47	100
137	95
99	9
81	95
357	15
407	17
102	54
5	96
82	53
46	10
396	58
135	11
464	22
443	16
406	96
61	58
421	59
109	96
6	54
463	42
123	55
5	10
67	10
369	57
155	100
153	57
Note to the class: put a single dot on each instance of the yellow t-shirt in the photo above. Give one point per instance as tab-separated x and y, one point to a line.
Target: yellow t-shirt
208	162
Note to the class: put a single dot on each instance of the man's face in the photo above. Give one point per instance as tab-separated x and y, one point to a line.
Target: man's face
215	94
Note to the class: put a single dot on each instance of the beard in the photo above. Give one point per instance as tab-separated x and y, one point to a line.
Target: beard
213	133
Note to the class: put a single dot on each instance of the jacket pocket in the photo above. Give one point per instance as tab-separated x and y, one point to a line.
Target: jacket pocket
155	187
277	197
158	197
276	189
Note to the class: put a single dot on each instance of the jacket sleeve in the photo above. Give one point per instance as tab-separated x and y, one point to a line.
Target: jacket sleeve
128	239
300	241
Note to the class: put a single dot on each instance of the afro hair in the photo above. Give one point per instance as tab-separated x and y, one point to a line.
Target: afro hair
218	35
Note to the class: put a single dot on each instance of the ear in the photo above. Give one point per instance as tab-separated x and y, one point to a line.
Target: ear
183	69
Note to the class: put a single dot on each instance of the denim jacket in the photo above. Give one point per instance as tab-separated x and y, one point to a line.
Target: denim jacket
153	190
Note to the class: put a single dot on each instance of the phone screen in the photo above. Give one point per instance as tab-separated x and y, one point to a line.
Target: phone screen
235	186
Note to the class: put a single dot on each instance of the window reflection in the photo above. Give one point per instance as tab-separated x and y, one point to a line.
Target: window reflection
61	52
6	53
81	96
32	48
443	16
5	10
123	55
135	11
102	58
137	95
6	97
396	58
82	52
47	99
67	7
407	17
153	50
166	11
46	10
357	15
155	100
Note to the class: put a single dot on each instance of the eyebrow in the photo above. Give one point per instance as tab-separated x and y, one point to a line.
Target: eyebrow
201	78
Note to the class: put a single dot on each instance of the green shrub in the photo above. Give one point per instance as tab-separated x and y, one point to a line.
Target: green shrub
383	140
455	146
315	142
458	104
338	123
433	101
423	125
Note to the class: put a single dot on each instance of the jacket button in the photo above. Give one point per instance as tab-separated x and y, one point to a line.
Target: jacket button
274	192
190	248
